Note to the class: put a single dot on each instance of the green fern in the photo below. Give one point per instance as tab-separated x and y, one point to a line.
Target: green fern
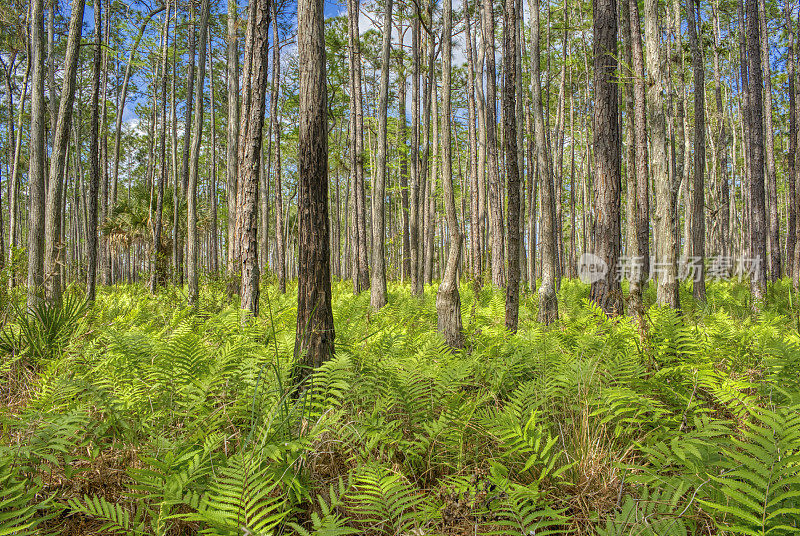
386	502
242	497
655	513
116	518
20	511
328	521
761	478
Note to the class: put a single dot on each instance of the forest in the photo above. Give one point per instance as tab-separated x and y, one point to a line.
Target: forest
399	267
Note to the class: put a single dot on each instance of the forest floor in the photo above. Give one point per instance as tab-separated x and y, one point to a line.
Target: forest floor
142	416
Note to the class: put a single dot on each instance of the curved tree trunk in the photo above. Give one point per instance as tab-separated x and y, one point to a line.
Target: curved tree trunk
448	299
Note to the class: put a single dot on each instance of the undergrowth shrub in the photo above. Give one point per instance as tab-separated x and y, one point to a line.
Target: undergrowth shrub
143	416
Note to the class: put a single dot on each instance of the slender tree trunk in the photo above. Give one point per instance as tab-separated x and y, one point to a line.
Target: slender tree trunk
192	239
642	206
402	148
213	253
53	231
627	79
746	135
280	243
512	161
314	342
606	290
252	127
758	223
721	151
791	236
158	261
771	182
94	157
475	235
360	265
14	186
495	187
698	221
232	160
548	303
796	178
378	286
37	158
415	201
448	299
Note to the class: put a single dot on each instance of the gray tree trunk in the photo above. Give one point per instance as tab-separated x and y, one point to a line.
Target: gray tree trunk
548	303
192	239
448	299
53	244
378	285
252	126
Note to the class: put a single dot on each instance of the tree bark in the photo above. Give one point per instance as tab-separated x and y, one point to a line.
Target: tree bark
448	299
791	236
378	286
158	258
415	201
698	220
774	263
664	223
642	205
512	161
232	160
94	157
252	127
475	235
606	290
548	303
758	224
314	341
495	187
192	239
37	158
721	149
280	243
53	239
